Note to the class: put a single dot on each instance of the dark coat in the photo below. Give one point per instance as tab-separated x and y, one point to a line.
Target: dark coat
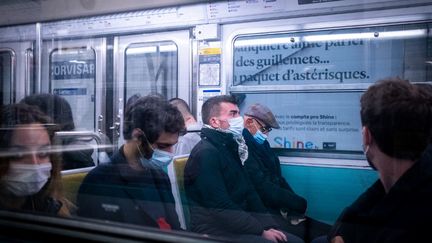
404	214
114	191
263	167
223	200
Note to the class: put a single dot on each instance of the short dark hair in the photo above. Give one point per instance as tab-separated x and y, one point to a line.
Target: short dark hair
54	106
211	107
153	115
182	106
399	117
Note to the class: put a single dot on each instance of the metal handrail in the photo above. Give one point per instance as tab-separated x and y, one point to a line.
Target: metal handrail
91	134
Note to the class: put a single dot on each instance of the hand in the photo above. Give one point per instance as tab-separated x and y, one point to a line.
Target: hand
337	239
274	235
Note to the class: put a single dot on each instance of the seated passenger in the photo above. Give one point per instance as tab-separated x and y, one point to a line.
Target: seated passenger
60	111
396	117
263	167
133	187
30	177
223	200
191	138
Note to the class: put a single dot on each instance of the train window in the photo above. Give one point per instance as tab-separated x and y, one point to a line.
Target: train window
73	77
152	68
314	87
6	79
320	57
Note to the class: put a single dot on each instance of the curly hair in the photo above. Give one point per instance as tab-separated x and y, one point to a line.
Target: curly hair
399	117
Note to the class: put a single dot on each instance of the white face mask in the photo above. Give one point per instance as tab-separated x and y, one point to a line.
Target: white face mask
236	125
26	179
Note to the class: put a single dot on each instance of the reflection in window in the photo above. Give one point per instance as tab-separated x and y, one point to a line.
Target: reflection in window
73	76
151	68
6	77
361	55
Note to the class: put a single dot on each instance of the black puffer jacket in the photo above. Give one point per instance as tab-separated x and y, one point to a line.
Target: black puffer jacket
223	200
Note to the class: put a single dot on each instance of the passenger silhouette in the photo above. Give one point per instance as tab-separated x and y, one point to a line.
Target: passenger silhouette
397	123
60	111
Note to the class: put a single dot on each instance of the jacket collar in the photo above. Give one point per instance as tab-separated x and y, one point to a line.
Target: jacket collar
218	138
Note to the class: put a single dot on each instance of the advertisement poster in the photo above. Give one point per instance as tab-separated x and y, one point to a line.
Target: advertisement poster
319	121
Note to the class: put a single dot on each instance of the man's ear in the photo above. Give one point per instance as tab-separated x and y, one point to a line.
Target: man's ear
214	122
248	122
137	135
367	136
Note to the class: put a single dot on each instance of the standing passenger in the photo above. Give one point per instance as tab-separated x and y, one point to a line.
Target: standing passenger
192	137
396	117
263	167
134	188
223	200
30	177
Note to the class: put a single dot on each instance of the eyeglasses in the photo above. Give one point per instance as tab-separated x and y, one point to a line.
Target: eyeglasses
263	129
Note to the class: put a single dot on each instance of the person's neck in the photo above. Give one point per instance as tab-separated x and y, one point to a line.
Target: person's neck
132	155
391	169
190	121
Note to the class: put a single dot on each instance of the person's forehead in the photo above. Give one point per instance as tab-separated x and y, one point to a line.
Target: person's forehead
33	134
167	138
226	107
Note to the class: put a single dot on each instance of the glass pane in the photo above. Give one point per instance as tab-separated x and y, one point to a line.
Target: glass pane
73	76
313	121
152	68
5	77
362	55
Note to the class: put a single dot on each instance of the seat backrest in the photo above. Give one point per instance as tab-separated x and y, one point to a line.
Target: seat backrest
176	172
71	184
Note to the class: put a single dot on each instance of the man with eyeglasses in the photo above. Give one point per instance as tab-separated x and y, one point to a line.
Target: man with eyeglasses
263	167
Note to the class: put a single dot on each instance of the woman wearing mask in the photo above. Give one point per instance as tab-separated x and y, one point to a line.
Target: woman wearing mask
30	177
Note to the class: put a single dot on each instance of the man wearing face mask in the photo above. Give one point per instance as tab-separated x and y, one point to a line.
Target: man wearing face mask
263	167
133	187
397	121
222	198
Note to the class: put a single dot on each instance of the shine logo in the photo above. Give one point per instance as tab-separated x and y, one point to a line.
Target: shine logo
284	142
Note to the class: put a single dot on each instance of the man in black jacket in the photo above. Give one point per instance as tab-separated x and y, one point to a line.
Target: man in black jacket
263	167
396	117
133	187
223	200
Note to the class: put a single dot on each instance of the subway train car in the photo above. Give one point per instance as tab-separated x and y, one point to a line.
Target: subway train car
309	61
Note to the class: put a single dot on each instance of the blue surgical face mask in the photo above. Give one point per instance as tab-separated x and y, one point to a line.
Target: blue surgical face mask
260	137
236	125
161	158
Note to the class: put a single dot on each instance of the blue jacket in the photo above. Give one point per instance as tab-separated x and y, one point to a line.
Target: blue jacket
114	191
223	200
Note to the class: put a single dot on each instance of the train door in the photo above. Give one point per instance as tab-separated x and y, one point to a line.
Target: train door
156	63
74	69
15	71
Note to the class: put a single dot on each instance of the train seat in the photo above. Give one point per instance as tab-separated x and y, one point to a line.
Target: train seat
175	172
71	183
